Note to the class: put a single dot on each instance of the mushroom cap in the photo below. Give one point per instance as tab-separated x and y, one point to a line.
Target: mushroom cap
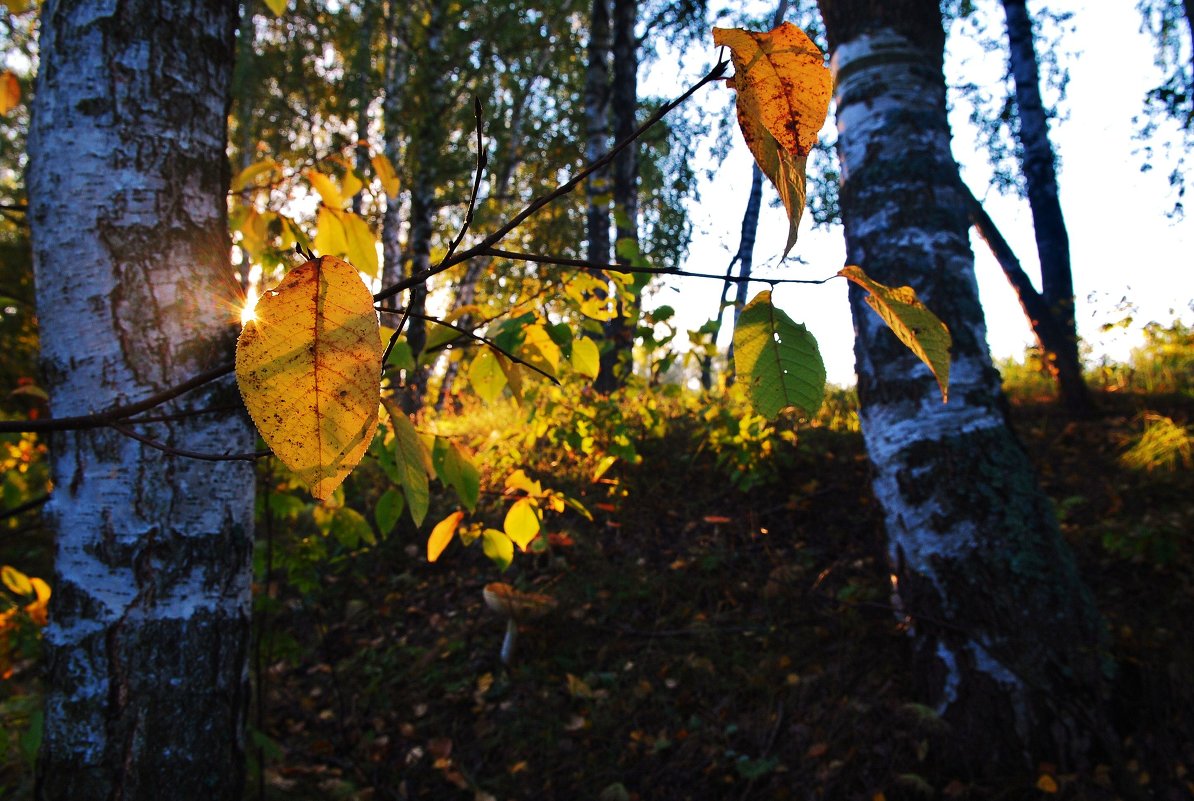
509	602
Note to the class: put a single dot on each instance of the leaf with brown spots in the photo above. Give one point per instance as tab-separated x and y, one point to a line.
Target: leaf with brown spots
309	370
783	97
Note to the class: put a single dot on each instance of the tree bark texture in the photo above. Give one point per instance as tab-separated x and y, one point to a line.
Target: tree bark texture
1007	641
147	673
597	133
393	139
1048	222
617	357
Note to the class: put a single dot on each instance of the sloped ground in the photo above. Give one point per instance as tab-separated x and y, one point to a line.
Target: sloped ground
710	644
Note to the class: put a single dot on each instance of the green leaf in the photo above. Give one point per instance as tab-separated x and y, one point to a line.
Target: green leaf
522	522
351	529
413	462
498	547
401	357
586	359
458	471
778	360
909	319
486	376
388	510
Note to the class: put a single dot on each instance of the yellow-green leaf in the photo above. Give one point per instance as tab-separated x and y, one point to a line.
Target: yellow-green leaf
459	472
519	480
253	175
16	581
442	534
777	359
361	247
388	510
522	522
412	460
327	189
351	184
309	369
539	349
498	548
784	90
486	376
10	91
277	6
386	174
330	237
909	319
586	359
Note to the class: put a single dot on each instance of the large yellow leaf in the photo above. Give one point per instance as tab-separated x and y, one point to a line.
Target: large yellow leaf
522	522
309	370
782	82
10	91
327	189
909	319
361	245
330	237
783	97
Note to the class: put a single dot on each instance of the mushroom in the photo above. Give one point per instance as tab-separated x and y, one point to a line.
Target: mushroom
514	605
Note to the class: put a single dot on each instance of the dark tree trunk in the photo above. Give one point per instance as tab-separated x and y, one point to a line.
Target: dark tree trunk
1008	643
597	134
1052	239
617	357
146	655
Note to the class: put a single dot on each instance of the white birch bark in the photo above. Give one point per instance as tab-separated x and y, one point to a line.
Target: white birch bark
1006	635
147	671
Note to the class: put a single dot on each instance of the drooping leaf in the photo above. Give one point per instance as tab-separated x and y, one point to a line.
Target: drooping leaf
388	510
10	91
412	461
327	189
586	359
784	90
778	360
309	370
498	547
442	534
330	237
360	245
522	522
458	472
486	376
909	319
386	174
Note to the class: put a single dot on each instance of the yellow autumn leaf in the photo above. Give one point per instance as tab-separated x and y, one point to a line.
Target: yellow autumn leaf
15	580
911	321
10	91
361	247
330	237
442	534
351	184
782	82
1046	784
277	6
586	359
256	174
386	174
309	370
784	90
522	522
327	189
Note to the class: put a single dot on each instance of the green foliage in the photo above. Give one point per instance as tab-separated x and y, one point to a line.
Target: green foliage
778	360
1162	445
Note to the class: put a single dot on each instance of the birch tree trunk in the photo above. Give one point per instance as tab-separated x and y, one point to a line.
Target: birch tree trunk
597	133
1008	644
147	682
617	357
1060	340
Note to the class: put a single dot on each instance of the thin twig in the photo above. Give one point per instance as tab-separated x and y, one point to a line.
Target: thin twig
170	418
488	242
622	268
206	457
27	506
108	416
482	162
488	342
385	356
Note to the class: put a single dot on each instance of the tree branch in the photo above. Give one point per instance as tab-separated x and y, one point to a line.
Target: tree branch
206	457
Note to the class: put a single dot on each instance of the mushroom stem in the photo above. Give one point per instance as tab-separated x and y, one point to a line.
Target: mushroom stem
508	642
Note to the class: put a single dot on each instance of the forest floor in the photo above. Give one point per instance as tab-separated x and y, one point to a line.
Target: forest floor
715	644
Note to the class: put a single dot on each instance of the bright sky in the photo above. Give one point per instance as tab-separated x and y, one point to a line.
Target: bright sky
1122	242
